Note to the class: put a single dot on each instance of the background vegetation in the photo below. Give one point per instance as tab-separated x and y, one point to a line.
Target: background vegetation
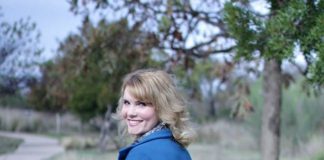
231	62
8	144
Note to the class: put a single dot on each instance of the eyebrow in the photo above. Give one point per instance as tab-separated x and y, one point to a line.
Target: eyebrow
138	101
146	103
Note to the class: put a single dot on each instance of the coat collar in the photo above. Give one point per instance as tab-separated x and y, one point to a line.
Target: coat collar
161	134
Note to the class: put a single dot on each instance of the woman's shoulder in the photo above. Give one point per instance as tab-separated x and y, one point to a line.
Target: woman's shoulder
158	145
161	138
166	148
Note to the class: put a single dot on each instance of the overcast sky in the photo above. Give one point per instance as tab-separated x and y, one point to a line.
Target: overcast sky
53	19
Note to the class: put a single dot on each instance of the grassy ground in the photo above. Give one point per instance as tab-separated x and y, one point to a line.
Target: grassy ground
8	144
85	155
222	141
198	152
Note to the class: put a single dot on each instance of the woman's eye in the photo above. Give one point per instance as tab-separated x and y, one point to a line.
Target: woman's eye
141	104
126	102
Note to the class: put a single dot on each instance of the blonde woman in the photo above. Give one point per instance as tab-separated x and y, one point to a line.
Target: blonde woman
155	115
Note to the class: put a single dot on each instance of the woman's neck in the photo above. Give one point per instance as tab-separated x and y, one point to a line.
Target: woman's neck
157	127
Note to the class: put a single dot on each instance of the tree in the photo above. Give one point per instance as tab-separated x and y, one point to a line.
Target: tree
176	26
204	81
18	40
48	93
86	76
100	62
274	37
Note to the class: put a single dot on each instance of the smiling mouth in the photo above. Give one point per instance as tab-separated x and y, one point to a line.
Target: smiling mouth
133	122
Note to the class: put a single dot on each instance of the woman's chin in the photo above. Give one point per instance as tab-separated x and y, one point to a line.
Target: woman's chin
133	132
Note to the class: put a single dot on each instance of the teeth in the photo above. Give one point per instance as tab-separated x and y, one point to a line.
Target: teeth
133	122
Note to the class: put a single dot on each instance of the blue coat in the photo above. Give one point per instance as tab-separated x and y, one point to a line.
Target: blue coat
159	145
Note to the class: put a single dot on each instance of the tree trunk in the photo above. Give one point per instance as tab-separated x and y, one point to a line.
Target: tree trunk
270	138
58	122
107	131
212	111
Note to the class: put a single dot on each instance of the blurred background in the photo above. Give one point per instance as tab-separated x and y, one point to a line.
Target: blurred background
252	72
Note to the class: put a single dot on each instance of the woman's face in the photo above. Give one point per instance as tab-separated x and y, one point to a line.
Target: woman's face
139	116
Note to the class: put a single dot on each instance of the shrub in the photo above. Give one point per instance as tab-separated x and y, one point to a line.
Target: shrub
319	156
8	144
31	121
79	142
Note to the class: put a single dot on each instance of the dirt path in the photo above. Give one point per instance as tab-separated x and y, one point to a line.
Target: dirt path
34	147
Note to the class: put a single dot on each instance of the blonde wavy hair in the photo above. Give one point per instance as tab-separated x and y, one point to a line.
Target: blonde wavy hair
157	87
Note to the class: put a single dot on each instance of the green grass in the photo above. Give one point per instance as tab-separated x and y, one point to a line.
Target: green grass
319	156
87	154
9	144
230	141
198	151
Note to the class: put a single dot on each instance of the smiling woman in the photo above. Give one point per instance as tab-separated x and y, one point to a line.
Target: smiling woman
155	115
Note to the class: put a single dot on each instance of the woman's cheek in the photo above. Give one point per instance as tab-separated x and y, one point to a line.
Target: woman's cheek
123	113
148	113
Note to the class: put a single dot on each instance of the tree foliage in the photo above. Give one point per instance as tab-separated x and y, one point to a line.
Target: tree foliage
298	24
177	25
87	75
48	93
18	40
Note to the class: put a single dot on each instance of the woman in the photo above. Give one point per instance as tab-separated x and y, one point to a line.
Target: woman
155	115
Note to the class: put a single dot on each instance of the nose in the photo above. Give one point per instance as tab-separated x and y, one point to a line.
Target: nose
132	111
